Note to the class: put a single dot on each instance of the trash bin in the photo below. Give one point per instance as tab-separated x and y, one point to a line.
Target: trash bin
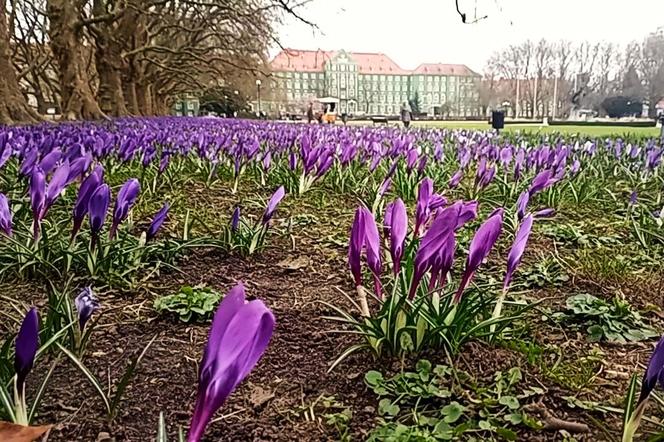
498	119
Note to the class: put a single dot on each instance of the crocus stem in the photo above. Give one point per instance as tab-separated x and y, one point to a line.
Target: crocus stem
20	412
362	298
634	422
498	308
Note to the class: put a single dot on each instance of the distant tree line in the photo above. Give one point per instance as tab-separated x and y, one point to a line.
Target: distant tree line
589	75
93	59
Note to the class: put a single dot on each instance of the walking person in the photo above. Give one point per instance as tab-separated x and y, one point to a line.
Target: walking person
310	113
406	114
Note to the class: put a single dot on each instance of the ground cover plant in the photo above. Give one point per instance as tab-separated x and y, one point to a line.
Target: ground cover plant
378	283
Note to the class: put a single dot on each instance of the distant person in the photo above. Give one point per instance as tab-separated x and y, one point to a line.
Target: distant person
344	118
310	113
406	114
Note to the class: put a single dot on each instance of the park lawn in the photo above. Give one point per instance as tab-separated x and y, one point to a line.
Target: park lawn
601	131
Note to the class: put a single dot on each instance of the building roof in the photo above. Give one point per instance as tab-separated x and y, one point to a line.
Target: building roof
443	69
296	60
376	63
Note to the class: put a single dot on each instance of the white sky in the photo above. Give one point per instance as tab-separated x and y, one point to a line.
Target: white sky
416	31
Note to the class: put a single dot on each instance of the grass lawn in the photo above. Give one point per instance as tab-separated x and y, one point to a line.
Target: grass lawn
534	128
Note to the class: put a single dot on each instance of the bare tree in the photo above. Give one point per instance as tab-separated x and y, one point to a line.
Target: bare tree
13	104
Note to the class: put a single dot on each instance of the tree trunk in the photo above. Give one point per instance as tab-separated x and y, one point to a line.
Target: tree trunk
14	106
66	33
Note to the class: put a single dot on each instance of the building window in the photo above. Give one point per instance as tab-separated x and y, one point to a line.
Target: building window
436	97
190	105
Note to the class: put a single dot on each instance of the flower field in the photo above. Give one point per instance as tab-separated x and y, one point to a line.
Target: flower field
205	279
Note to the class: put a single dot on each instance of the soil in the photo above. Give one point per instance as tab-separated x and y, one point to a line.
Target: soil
289	393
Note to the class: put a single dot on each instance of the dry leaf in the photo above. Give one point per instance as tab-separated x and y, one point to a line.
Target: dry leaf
20	433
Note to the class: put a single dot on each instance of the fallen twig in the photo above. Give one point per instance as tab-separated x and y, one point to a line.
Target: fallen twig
553	423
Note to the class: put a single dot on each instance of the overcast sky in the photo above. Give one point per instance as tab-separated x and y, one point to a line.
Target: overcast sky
416	31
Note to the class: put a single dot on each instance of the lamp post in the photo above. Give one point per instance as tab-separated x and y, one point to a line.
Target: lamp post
258	94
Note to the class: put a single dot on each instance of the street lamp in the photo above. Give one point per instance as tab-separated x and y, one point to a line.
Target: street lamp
258	93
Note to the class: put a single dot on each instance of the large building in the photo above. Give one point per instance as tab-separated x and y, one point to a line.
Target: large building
371	83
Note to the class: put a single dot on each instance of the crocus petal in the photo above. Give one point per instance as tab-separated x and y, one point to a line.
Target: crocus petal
27	343
98	207
125	200
424	192
86	190
235	219
522	204
398	231
37	198
654	373
86	304
355	244
57	184
273	203
157	221
5	216
480	246
518	247
239	336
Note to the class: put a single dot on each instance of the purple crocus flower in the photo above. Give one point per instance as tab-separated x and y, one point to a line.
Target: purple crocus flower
164	162
50	160
576	165
480	246
29	162
654	372
398	230
542	180
387	219
518	247
86	304
235	219
97	207
157	221
364	234
633	198
5	216
385	185
37	199
355	244
522	204
78	167
435	239
422	209
56	185
271	207
27	343
411	159
239	335
437	201
86	190
456	179
372	244
544	213
125	200
267	161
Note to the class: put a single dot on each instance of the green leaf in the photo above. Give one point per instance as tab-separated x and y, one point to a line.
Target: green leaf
630	399
93	380
452	412
514	418
509	401
387	408
373	378
506	433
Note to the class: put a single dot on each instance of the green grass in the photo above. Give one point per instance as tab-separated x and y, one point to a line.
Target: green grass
535	128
